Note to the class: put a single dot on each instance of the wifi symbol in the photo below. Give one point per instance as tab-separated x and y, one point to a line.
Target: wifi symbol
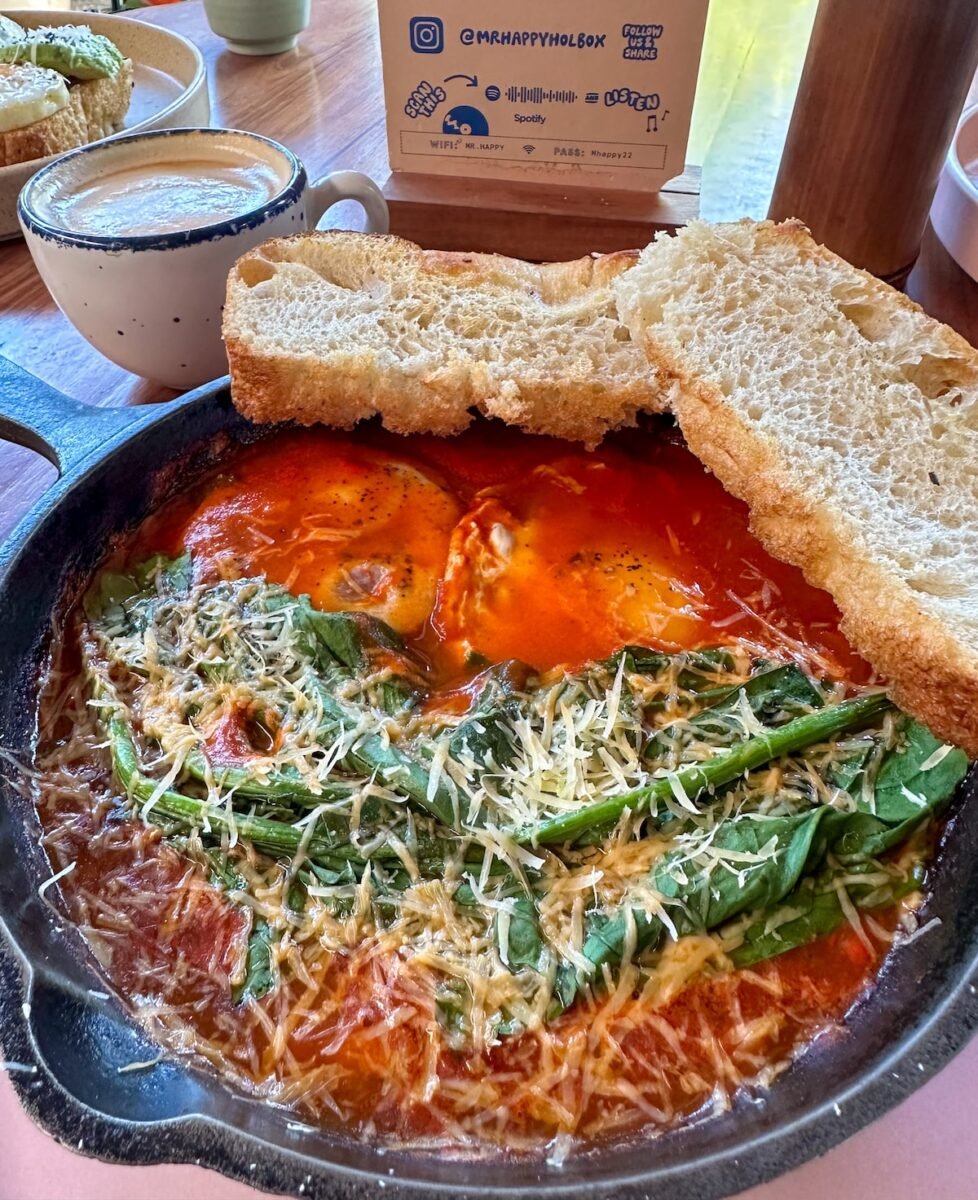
529	149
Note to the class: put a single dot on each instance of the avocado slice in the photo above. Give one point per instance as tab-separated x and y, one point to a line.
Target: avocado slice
71	50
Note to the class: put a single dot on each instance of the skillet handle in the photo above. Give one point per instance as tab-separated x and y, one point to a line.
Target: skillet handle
65	431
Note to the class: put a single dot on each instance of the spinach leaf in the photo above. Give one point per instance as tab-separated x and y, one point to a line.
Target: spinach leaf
901	773
525	949
700	667
697	668
486	736
357	641
350	637
389	884
859	835
222	873
451	1010
818	911
697	671
604	946
125	600
800	845
259	977
314	875
525	942
814	909
774	696
775	854
846	773
567	983
903	796
699	675
639	660
789	846
345	645
605	942
297	895
486	733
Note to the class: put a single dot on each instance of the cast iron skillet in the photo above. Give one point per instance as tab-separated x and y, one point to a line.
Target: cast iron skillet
70	1039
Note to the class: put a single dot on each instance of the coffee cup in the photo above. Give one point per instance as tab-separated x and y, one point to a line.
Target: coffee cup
258	26
135	237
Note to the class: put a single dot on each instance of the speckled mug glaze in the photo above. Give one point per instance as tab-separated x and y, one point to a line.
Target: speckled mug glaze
152	302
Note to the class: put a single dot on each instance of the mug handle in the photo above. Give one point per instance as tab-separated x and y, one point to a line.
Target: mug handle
348	185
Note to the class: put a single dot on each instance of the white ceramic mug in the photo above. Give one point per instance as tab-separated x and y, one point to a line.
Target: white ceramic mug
258	26
152	302
954	213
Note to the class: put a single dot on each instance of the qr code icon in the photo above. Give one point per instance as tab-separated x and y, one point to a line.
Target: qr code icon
427	35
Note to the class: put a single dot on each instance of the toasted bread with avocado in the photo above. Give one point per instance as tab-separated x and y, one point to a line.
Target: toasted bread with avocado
94	108
60	87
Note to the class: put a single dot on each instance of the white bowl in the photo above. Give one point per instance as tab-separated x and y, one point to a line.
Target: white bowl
170	87
954	213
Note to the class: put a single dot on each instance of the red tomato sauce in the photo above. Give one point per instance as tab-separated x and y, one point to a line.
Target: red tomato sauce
597	541
489	546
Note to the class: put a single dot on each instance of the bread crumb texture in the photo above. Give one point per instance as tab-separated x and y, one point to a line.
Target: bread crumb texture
338	327
847	419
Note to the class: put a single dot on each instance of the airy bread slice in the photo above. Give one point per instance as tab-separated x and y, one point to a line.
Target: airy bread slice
336	327
95	108
848	421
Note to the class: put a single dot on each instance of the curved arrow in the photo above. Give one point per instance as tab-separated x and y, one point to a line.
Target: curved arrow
473	79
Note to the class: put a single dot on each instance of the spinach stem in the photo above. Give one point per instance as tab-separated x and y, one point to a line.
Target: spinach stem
275	837
722	768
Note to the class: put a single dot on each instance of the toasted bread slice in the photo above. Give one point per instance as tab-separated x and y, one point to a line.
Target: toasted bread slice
335	327
95	108
848	421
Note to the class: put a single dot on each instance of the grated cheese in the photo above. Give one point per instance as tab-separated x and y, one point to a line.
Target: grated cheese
372	971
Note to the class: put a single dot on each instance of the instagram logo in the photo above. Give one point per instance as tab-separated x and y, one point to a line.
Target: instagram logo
427	35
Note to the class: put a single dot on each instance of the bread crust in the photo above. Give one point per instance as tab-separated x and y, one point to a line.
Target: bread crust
347	388
95	108
269	389
930	673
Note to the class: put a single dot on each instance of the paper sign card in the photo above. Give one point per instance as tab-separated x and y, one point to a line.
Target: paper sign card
546	91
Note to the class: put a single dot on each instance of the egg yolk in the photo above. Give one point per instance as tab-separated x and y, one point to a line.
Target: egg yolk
354	527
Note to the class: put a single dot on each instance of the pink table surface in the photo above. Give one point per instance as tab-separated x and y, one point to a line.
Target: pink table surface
927	1148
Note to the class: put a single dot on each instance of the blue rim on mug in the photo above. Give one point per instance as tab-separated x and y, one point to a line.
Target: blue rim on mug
287	195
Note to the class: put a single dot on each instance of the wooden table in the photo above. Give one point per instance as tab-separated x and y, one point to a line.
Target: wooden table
325	101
